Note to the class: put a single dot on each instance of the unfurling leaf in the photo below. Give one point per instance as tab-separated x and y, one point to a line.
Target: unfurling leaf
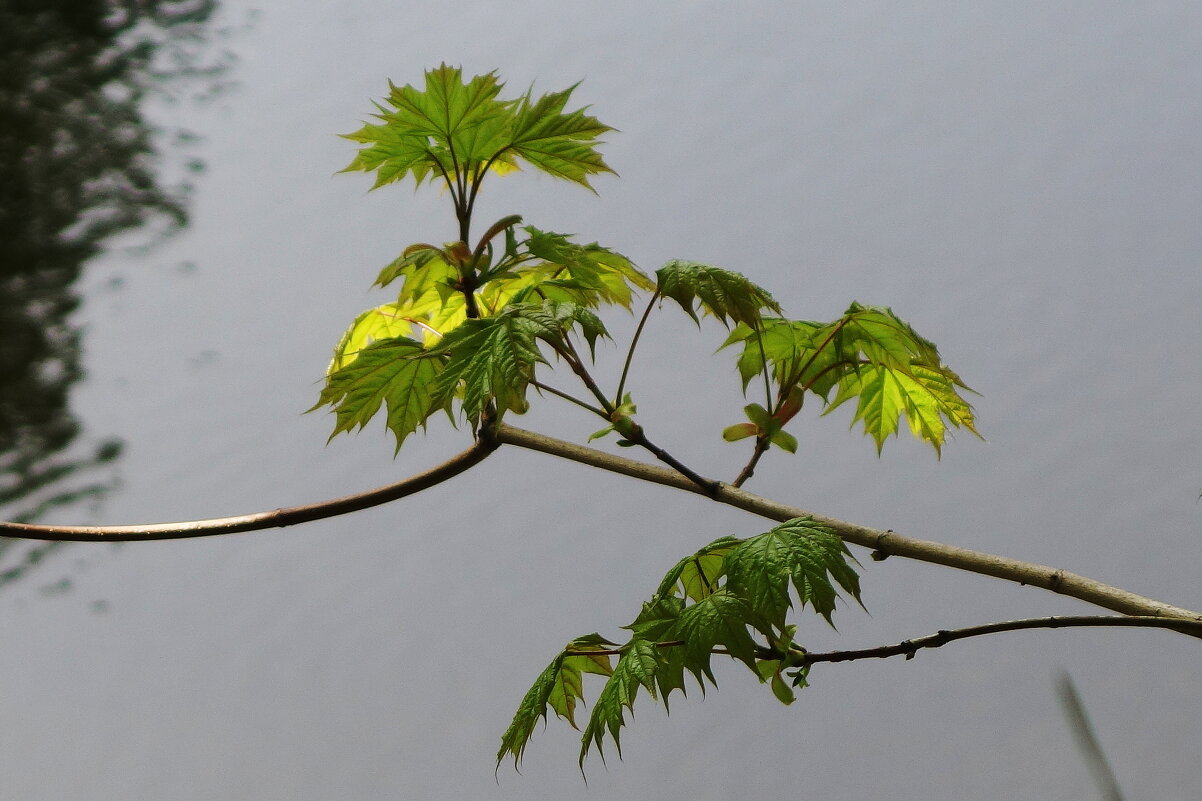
758	415
783	692
784	440
740	431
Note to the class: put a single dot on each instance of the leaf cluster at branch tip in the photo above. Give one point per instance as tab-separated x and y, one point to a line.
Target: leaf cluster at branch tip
869	354
458	131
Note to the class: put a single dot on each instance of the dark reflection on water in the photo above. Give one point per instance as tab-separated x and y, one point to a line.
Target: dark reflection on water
78	164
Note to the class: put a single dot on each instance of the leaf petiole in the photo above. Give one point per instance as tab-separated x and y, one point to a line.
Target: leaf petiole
634	341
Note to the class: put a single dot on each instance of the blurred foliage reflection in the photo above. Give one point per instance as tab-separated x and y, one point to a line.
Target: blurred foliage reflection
78	164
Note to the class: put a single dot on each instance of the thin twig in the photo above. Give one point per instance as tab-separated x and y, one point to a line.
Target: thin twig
761	447
707	486
539	385
260	520
907	648
567	351
761	439
634	341
883	543
635	435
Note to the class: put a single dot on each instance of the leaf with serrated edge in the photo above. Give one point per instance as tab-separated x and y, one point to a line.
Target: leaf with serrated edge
558	687
719	619
456	130
398	373
636	668
373	325
558	143
596	273
727	295
657	617
869	353
698	574
531	710
927	397
800	552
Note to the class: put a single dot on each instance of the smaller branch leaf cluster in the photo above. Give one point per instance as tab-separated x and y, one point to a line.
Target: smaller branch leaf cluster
732	597
868	354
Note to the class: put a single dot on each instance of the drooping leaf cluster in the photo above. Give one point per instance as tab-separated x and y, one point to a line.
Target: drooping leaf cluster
731	598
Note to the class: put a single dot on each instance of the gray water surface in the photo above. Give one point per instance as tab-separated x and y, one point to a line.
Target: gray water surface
1021	181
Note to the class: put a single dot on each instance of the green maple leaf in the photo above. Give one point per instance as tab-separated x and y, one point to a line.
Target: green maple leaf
448	106
869	353
558	143
927	397
494	358
374	325
715	601
530	712
698	575
490	358
636	668
884	338
458	130
719	619
558	688
727	295
421	269
591	274
654	624
656	617
795	355
398	373
799	552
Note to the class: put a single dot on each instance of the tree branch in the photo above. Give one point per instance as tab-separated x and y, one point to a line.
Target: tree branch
761	447
882	542
908	648
260	520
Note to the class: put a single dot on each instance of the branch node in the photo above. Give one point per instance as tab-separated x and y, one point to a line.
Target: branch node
879	554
